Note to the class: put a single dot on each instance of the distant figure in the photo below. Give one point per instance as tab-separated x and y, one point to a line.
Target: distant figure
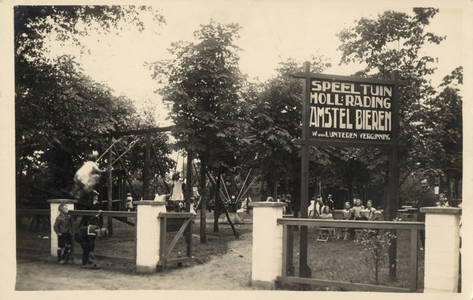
63	227
356	210
427	199
442	201
311	209
368	212
346	213
330	202
318	205
177	196
326	213
129	202
86	177
289	204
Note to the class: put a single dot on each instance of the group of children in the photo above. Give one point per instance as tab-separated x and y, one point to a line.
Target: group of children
84	235
323	210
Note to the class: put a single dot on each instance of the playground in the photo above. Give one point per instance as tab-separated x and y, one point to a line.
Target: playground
223	263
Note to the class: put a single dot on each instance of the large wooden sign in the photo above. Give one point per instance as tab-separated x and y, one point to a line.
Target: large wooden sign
348	111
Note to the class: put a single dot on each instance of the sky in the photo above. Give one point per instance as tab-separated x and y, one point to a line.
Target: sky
270	29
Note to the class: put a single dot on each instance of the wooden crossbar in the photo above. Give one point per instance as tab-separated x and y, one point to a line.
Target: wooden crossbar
177	237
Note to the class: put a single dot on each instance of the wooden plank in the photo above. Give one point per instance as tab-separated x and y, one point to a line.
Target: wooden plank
176	238
318	141
142	131
104	213
348	78
290	250
285	236
162	242
352	224
414	262
339	284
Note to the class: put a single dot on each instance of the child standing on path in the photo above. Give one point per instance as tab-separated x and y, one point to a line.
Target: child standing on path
85	236
62	227
86	177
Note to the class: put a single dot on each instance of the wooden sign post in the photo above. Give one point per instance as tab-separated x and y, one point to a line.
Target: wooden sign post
348	111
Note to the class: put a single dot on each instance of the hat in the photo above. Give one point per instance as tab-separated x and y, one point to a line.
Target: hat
129	194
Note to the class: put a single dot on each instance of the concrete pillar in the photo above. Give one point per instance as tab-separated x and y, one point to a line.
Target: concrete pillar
148	234
442	249
267	244
54	212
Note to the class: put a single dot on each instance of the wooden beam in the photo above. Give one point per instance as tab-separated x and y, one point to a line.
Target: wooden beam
347	78
141	131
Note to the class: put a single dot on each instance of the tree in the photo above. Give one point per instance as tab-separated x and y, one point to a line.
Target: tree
394	41
442	125
60	112
203	82
277	119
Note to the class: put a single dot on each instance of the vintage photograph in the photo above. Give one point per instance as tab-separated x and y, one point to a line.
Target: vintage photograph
311	147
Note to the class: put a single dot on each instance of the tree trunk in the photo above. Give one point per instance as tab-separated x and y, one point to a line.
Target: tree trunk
203	210
217	203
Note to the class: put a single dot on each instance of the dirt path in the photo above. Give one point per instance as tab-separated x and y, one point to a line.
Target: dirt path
230	271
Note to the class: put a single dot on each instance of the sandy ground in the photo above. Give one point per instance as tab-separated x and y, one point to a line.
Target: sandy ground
230	271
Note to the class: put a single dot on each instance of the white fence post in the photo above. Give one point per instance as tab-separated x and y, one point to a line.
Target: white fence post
442	249
54	212
148	234
267	244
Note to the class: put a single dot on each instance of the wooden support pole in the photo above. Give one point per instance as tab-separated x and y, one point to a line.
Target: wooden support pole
393	185
146	178
305	270
188	196
109	188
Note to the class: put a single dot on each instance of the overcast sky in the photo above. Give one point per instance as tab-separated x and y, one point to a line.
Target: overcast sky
296	28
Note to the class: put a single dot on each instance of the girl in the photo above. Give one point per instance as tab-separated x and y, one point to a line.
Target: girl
326	214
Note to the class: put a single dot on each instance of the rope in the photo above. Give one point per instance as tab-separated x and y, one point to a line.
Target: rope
128	149
108	149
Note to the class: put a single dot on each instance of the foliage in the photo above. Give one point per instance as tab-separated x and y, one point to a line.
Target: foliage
443	129
394	41
62	114
374	252
276	114
203	83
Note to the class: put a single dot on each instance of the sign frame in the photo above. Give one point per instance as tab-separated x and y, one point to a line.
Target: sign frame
306	141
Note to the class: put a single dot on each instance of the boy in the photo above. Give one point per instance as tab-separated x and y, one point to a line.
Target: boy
86	177
62	227
85	236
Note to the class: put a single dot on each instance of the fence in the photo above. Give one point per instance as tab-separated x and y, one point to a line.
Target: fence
119	215
272	240
287	255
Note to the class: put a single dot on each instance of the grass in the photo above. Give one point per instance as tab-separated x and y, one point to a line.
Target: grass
341	260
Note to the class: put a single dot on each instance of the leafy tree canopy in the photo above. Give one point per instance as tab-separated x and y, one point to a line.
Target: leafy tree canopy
203	83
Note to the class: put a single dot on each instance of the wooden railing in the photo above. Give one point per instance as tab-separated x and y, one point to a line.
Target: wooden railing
287	253
111	214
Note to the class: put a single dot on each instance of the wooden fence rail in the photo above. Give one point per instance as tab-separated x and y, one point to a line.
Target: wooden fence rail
287	251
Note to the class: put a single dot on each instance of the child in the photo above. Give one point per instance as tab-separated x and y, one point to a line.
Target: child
86	177
326	214
129	202
369	211
346	213
62	227
85	236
